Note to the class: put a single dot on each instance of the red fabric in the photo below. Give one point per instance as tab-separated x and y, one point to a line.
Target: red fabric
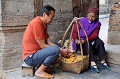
95	33
75	32
36	29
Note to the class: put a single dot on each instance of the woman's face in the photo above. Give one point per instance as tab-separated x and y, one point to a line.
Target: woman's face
92	16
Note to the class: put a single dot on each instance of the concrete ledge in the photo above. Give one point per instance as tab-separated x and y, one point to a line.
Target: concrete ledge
114	68
2	75
113	54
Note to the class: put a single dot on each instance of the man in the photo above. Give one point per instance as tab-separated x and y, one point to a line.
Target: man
37	46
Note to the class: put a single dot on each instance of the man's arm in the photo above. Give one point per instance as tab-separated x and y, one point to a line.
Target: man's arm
42	43
62	50
49	42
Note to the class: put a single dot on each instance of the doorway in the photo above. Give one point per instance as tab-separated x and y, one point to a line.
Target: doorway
37	5
80	7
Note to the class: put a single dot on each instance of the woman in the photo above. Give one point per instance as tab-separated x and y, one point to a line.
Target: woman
91	26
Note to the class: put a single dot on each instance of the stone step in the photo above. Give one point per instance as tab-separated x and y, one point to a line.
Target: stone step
2	75
114	68
113	53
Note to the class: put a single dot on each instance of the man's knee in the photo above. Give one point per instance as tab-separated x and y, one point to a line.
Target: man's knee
56	49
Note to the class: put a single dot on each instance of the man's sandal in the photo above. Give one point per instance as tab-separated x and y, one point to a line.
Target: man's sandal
46	75
94	68
49	70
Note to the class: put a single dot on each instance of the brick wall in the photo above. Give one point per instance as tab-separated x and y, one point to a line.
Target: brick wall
16	12
15	15
114	28
10	47
110	3
62	18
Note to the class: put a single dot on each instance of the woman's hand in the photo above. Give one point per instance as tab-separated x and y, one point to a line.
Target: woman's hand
78	41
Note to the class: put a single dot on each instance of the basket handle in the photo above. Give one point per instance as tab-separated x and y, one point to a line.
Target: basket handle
85	35
80	40
63	39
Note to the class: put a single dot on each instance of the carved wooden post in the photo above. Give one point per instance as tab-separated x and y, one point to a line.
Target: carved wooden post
80	7
37	5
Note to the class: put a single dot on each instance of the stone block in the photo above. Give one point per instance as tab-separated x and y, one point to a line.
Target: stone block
2	75
60	23
1	65
10	49
28	71
114	29
113	37
11	60
113	23
115	68
113	53
14	14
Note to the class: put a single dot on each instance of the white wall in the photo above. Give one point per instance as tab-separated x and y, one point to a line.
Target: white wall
102	1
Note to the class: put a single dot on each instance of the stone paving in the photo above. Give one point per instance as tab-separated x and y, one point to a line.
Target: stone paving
114	73
104	74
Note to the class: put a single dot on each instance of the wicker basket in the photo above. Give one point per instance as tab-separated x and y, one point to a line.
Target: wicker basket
76	67
80	65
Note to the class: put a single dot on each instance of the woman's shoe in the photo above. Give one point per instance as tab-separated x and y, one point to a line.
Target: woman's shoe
104	66
94	69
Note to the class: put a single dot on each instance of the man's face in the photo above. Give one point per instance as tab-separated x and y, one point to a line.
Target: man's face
91	16
49	18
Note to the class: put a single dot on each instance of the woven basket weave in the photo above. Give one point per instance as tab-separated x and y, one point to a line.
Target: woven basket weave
75	67
78	66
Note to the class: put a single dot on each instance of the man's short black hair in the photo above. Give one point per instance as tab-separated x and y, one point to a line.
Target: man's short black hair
47	9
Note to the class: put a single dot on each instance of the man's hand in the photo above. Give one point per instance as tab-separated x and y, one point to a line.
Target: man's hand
49	42
66	52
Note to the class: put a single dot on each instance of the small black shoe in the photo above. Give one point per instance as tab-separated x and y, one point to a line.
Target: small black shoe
94	69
